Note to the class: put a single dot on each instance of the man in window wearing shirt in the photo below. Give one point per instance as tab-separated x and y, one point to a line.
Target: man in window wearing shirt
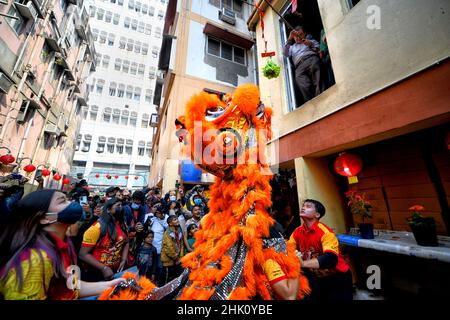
303	50
329	275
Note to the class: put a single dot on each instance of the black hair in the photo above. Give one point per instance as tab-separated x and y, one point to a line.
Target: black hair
320	208
200	207
170	218
138	195
190	227
107	223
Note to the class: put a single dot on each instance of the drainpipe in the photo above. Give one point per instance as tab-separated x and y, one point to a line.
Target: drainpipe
41	91
15	100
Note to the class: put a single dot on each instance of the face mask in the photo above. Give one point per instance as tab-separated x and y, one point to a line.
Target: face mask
173	198
71	214
198	201
135	206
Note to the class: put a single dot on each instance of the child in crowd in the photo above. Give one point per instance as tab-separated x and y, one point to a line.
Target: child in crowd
146	257
191	229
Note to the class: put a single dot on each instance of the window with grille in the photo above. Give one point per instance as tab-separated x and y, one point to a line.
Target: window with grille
126	22
121	90
133	68
105	61
144	49
126	66
137	47
103	36
141	69
134	24
112	89
129	93
137	94
148	29
116	18
148	96
111	39
108	16
100	13
226	51
122	42
130	44
117	64
158	32
141	27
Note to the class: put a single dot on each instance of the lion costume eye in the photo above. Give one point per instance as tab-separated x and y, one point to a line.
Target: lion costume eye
214	113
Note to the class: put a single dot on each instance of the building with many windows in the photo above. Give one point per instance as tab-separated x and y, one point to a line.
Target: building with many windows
116	135
47	52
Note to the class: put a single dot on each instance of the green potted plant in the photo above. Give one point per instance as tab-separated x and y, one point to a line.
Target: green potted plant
423	228
360	206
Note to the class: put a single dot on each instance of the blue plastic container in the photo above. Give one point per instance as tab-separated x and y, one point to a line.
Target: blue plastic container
189	172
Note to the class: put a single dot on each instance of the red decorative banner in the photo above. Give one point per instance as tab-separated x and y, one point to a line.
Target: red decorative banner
294	6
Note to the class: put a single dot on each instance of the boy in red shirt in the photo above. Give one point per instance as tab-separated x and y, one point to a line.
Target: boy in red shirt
329	275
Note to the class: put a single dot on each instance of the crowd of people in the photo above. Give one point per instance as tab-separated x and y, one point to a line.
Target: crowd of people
49	231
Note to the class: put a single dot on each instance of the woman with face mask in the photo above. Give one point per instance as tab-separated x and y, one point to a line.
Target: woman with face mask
104	249
37	260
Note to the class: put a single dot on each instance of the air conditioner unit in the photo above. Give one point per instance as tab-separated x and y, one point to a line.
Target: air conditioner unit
26	10
5	83
227	16
52	129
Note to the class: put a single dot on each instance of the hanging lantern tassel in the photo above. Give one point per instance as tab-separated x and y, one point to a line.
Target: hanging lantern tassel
265	54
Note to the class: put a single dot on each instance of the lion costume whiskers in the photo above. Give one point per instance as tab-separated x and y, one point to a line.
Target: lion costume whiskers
235	238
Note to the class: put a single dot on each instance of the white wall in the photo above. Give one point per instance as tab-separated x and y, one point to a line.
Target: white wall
196	50
205	9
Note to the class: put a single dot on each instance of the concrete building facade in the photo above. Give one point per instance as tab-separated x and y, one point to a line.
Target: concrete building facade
47	52
116	137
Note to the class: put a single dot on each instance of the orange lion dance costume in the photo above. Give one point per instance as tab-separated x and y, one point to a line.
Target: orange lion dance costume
227	137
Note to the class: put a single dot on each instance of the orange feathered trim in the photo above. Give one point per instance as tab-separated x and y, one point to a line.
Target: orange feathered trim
127	294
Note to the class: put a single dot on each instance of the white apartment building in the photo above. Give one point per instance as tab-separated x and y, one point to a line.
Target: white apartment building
116	136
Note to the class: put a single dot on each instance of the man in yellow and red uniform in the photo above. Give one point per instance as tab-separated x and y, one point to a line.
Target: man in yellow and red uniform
329	275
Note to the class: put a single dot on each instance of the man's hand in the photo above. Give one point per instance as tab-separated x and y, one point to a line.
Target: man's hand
299	256
121	266
292	35
107	273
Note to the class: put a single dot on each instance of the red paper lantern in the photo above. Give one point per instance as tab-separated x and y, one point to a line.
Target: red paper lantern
135	178
108	176
97	175
46	172
126	177
66	181
56	177
116	177
29	168
348	165
7	158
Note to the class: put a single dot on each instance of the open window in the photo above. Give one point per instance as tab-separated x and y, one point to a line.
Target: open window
308	16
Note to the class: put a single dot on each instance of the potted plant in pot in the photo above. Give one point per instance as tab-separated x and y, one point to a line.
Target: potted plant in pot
360	206
423	228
